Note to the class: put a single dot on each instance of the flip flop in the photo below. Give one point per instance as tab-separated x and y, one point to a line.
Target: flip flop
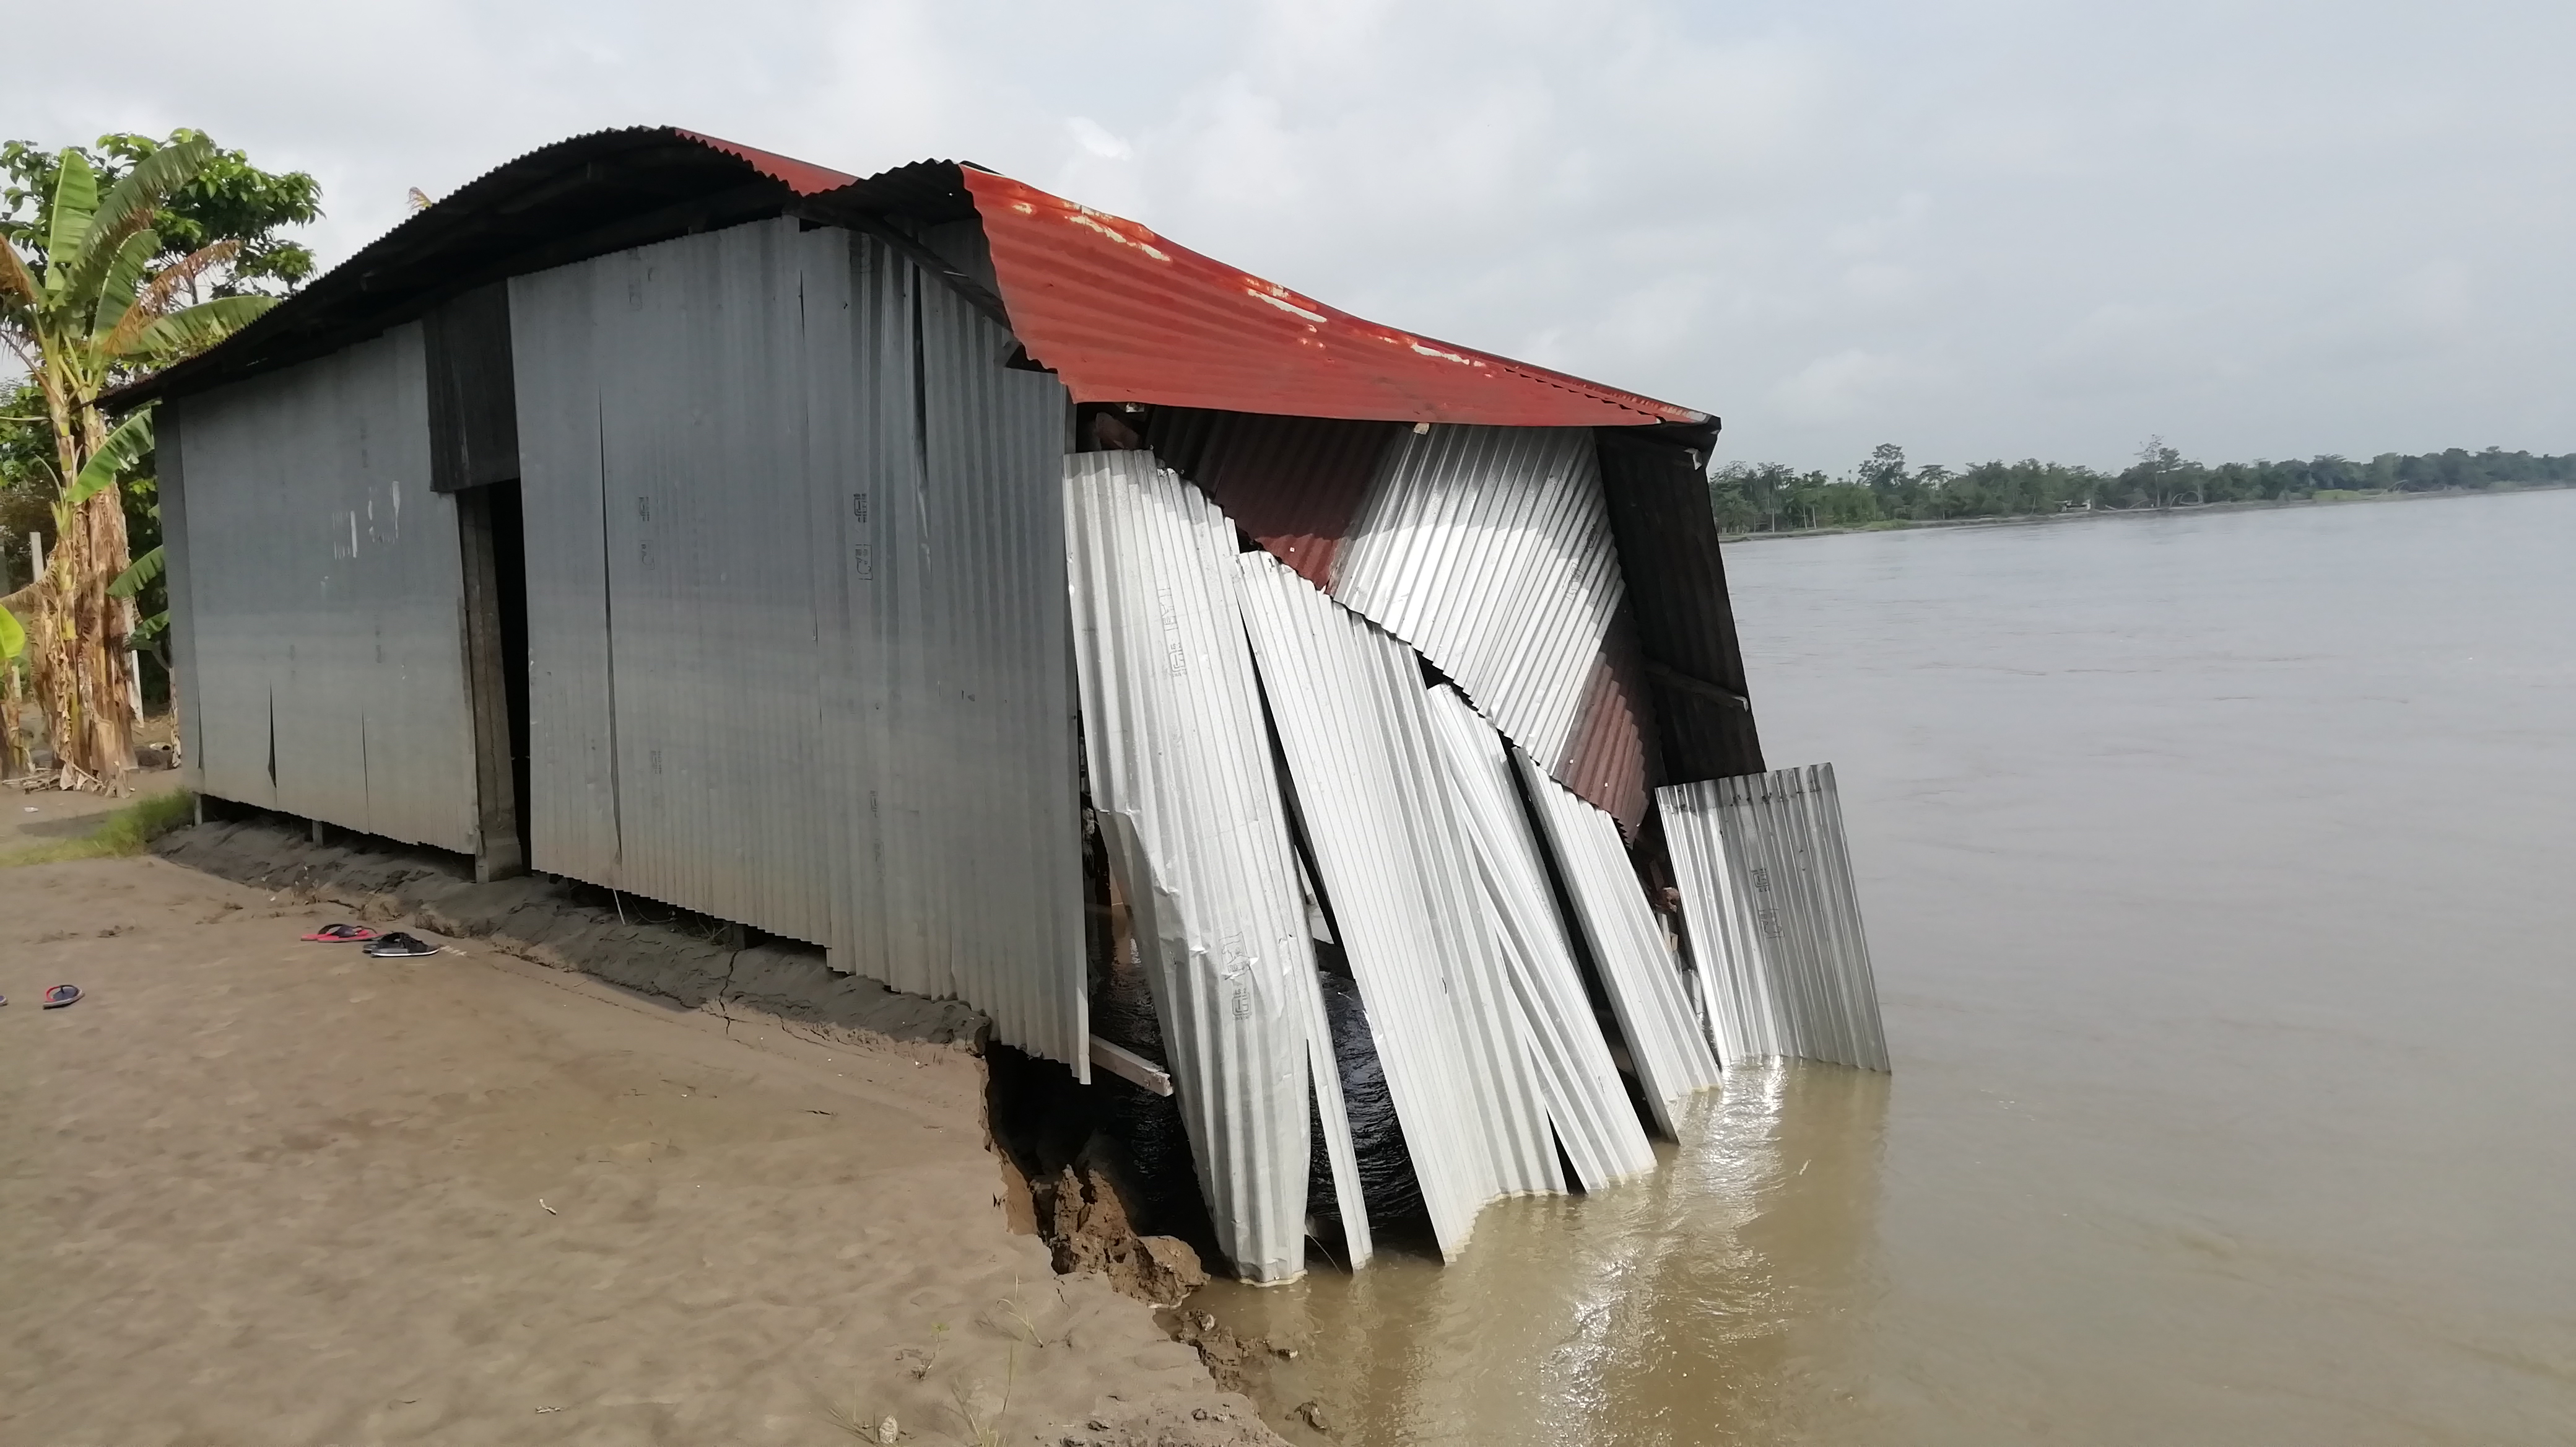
399	946
332	934
57	996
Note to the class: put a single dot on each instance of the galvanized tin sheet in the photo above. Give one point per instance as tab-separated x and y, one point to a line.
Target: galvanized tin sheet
1184	785
1576	1075
701	439
797	617
1372	794
573	824
1489	549
1766	884
1636	966
968	877
325	593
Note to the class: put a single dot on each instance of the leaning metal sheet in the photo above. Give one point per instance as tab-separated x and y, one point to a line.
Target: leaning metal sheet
1185	787
1401	882
1489	549
325	590
1766	885
1637	968
1576	1075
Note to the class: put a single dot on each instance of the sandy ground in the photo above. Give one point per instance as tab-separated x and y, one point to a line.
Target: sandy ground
254	1191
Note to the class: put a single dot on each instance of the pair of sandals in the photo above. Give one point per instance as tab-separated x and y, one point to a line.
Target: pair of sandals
56	996
392	946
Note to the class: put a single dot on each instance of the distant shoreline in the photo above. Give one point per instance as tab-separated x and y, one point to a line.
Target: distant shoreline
1907	525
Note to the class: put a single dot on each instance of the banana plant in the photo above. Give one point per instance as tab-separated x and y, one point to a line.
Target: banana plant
84	309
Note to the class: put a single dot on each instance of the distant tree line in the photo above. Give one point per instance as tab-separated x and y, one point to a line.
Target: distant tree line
1885	491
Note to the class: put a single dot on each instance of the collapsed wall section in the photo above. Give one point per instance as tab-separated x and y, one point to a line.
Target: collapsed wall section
1189	805
1406	905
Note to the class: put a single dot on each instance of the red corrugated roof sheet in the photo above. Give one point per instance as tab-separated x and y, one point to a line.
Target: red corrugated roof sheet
1124	315
802	177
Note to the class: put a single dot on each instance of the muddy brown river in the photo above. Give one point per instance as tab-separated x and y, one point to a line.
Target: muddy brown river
2219	877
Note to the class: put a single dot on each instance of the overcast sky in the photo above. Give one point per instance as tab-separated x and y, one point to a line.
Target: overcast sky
2000	229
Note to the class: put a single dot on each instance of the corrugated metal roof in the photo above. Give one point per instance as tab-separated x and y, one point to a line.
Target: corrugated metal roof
1184	783
1131	316
1636	966
1576	1075
1121	313
1373	796
1766	886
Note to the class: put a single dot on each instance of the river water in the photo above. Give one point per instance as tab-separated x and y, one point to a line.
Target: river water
2218	877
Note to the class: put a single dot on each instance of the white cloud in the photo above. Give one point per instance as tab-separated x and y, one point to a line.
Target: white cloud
1976	227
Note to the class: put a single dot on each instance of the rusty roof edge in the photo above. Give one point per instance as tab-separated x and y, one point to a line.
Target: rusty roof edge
1650	411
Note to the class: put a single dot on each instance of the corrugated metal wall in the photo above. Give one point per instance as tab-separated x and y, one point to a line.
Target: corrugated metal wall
323	598
1576	1075
1373	797
1187	795
798	638
1489	549
1636	965
1766	885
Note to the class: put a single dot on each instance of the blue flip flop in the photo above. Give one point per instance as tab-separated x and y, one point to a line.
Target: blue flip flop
57	996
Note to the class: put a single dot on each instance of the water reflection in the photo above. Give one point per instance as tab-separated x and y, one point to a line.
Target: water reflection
1705	1303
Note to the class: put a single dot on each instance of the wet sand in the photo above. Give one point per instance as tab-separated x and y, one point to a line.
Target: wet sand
262	1192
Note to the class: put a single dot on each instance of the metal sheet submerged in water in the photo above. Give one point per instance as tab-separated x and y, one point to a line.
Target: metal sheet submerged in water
1637	967
1767	892
1576	1074
1401	885
1184	783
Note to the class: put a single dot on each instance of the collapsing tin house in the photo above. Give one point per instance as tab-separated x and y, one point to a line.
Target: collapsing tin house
854	558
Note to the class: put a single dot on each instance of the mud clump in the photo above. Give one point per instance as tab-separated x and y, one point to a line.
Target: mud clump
1235	1362
1085	1221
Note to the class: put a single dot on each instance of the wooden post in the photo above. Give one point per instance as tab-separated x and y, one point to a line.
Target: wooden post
496	814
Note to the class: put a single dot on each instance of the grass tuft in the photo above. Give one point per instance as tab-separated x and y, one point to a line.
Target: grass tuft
121	832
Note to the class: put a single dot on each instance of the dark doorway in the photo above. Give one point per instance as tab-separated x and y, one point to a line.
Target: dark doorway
510	571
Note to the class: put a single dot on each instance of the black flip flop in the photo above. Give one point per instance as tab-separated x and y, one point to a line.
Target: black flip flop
57	996
399	946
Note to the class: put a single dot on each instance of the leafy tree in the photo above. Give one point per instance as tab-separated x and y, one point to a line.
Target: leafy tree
88	304
227	198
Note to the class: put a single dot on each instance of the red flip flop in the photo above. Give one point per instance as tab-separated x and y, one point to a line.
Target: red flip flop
57	996
341	934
